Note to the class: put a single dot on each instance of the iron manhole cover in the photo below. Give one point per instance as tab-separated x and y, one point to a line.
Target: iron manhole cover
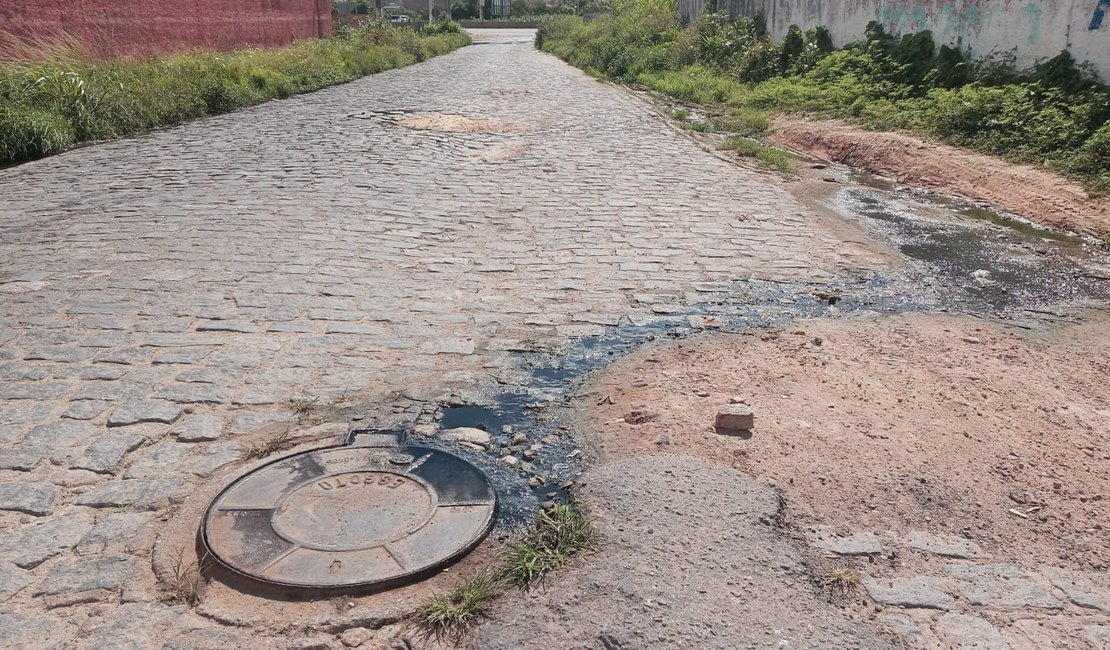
345	519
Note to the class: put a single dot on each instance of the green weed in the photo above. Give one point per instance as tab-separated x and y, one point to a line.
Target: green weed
269	446
302	406
768	156
559	534
186	582
448	617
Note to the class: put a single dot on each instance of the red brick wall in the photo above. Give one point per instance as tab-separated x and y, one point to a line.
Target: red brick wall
137	27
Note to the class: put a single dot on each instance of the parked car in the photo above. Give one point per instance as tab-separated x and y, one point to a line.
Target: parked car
399	19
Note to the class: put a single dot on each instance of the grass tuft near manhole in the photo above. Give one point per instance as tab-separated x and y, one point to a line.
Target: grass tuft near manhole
559	534
185	582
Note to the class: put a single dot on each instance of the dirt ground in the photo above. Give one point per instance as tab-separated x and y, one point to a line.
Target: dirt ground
1036	194
447	123
907	423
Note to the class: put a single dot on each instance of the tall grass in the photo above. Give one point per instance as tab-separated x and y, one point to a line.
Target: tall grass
1053	114
53	95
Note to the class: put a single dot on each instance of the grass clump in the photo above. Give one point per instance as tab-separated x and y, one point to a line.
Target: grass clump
1053	114
770	157
448	617
54	95
302	406
271	445
841	580
558	535
186	582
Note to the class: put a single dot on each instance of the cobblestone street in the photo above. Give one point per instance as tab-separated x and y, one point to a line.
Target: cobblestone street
165	300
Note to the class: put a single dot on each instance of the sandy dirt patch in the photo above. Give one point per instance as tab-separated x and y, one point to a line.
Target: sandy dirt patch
935	423
1036	194
449	123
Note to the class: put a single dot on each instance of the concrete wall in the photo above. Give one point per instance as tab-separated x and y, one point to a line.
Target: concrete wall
1031	29
137	27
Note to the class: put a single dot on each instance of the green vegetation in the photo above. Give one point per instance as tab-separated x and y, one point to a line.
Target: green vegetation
53	96
448	617
1054	114
185	582
558	535
271	445
767	156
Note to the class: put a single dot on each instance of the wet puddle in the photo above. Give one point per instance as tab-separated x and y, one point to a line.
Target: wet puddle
976	259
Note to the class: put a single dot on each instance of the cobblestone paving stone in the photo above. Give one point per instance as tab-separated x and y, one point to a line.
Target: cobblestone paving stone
165	297
982	604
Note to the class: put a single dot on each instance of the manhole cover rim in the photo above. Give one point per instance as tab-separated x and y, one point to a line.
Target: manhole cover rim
207	551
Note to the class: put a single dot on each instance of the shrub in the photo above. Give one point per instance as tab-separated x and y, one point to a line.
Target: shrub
1055	112
443	27
60	97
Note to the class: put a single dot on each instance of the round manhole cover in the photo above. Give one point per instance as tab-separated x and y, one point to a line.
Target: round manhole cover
349	518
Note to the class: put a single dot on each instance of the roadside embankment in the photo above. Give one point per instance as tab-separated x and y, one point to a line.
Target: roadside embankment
1037	194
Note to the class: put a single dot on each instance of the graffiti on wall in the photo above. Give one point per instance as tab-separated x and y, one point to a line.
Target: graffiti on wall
1101	7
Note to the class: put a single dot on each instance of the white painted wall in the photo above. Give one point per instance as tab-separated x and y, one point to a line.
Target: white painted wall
1030	29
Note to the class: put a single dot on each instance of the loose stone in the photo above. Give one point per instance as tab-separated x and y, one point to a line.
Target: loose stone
735	417
467	434
355	637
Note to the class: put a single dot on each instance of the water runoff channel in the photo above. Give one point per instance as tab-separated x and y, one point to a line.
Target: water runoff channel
384	506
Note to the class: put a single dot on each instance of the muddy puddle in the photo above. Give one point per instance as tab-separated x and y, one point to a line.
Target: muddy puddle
977	260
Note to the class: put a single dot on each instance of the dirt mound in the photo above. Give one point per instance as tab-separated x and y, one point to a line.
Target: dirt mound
918	422
1036	194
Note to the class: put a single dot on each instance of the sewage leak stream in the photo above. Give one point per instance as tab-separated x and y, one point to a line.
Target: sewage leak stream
961	258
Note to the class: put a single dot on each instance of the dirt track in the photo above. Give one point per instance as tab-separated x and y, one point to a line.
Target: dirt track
1036	194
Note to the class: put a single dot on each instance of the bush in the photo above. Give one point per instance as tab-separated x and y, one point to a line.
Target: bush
443	27
1055	112
55	99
